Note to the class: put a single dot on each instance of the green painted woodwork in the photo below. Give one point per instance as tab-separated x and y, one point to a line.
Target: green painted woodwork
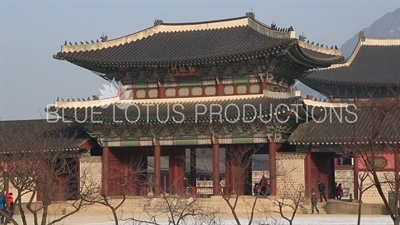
186	142
140	85
129	143
329	148
191	83
241	80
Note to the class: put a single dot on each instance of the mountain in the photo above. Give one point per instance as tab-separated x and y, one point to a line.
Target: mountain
387	26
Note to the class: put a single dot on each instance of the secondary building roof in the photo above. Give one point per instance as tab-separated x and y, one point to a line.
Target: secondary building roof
41	135
347	125
166	44
374	62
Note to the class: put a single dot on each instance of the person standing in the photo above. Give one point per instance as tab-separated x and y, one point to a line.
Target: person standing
3	207
10	203
263	184
314	203
339	193
321	189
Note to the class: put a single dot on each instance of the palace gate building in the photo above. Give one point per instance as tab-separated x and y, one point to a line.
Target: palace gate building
222	85
187	85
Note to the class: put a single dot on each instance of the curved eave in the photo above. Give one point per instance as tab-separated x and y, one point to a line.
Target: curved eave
275	50
299	56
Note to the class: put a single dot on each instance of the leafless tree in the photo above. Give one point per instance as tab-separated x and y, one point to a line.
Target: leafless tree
125	183
237	176
40	160
371	137
362	187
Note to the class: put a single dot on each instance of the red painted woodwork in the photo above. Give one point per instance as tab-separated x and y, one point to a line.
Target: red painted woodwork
308	174
272	148
193	182
388	156
104	173
322	169
161	92
171	172
216	169
355	174
126	171
157	169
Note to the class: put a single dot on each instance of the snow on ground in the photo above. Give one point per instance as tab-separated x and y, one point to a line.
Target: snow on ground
308	220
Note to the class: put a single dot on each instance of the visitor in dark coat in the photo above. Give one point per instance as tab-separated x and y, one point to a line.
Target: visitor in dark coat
314	203
321	189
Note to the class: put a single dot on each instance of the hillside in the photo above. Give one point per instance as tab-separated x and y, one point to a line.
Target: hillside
386	26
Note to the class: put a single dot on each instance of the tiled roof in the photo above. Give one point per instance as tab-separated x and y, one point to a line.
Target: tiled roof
40	135
192	43
190	110
351	128
373	62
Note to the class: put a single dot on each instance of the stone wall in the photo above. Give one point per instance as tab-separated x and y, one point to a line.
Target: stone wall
372	195
290	174
90	172
346	178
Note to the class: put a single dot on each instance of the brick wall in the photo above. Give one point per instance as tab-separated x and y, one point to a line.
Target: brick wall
290	172
371	195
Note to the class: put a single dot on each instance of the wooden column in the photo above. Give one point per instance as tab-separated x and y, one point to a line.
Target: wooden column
396	170
356	170
307	174
161	90
220	90
180	170
105	169
272	148
157	169
216	169
264	86
171	172
193	183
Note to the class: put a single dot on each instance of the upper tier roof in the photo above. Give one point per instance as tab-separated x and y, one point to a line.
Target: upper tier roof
197	43
375	61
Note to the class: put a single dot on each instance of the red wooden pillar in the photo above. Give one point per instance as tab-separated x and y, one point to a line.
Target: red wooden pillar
396	170
193	183
157	168
264	86
180	170
307	174
356	170
161	91
105	181
171	172
272	148
216	169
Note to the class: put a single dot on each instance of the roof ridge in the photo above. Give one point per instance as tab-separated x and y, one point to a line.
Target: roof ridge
161	27
319	49
117	100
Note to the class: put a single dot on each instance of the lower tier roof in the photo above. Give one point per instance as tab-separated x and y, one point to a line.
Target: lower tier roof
360	126
41	135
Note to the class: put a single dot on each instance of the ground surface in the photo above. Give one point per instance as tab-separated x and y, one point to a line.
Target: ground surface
101	219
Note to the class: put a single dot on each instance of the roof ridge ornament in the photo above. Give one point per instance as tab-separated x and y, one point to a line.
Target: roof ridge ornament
361	36
158	22
251	14
103	38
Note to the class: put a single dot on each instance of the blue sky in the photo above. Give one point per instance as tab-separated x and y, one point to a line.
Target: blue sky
32	31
